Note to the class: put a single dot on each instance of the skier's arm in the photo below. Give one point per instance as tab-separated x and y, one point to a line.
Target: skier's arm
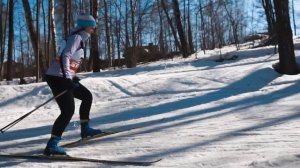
73	43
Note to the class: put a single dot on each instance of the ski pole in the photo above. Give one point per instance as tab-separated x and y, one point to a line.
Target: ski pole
27	114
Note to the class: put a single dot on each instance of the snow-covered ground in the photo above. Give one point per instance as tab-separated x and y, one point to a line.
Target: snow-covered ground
192	112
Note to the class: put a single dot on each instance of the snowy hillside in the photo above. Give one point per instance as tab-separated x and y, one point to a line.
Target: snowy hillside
193	112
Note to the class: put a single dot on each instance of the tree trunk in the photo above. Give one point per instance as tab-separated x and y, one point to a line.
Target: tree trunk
37	58
268	8
203	32
52	30
118	29
234	25
22	51
32	34
4	38
190	32
10	41
127	40
184	48
107	34
133	34
94	39
161	31
212	27
46	46
67	6
131	57
287	62
1	39
294	20
177	43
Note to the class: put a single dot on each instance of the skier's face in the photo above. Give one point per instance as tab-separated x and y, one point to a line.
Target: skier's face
90	29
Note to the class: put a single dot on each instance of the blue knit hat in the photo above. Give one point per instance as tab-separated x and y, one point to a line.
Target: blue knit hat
84	21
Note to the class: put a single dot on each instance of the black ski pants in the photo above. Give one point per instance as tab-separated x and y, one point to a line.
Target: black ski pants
66	102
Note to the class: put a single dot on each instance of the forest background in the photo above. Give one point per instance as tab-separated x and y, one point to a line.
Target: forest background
130	32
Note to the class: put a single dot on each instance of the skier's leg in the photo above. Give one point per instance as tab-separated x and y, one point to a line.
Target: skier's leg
83	94
86	97
67	107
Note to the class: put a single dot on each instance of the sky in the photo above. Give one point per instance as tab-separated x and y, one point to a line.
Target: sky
248	6
261	24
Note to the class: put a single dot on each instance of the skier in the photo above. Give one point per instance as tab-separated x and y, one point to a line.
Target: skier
61	76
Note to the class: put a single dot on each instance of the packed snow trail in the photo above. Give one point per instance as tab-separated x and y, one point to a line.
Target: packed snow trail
190	112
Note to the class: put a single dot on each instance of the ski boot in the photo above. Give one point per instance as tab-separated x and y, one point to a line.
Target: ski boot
87	131
52	147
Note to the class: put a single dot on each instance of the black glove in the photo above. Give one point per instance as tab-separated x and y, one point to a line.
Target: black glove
71	85
76	79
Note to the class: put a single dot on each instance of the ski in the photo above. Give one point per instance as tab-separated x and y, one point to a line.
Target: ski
86	139
79	141
78	159
83	140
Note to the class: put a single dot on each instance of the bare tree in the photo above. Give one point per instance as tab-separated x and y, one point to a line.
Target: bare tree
164	6
52	31
1	38
234	24
127	38
211	32
190	32
287	61
133	34
131	59
46	46
184	47
3	34
203	32
118	29
37	58
294	20
21	50
143	8
270	16
107	33
161	31
10	40
94	39
33	35
67	19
